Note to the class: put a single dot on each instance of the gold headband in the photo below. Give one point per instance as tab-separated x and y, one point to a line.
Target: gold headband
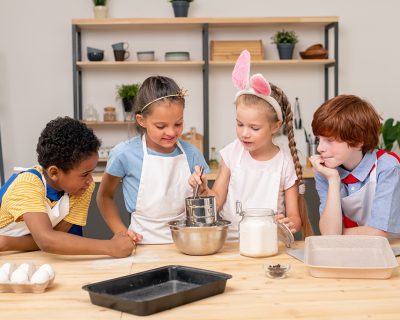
181	93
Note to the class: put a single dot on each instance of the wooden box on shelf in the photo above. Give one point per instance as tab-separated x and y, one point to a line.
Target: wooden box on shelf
230	50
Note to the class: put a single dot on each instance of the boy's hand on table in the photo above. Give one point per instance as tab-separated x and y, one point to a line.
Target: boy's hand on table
122	246
135	236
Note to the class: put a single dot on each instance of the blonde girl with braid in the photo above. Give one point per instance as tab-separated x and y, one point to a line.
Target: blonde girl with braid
254	170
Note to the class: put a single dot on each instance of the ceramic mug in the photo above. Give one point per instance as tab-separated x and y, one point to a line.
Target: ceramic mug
121	55
120	46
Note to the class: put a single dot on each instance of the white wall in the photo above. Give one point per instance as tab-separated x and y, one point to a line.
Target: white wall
36	62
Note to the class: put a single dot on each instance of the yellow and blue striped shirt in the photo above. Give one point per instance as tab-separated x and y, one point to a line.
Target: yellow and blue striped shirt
27	194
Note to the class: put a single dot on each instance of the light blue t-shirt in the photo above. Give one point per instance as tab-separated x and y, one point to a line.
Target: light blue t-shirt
126	160
385	211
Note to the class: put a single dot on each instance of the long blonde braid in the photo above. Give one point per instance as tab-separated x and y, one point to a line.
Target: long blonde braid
284	102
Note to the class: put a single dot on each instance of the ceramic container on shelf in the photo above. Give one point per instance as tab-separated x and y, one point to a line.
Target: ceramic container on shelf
145	55
95	56
121	55
177	56
100	12
110	114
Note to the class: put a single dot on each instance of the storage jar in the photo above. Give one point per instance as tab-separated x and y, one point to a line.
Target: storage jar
110	114
258	233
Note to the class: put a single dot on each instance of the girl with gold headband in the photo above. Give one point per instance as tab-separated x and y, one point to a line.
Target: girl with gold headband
154	166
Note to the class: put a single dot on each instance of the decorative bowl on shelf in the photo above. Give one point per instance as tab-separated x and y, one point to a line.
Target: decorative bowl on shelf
177	56
91	49
315	51
145	55
313	55
95	56
315	47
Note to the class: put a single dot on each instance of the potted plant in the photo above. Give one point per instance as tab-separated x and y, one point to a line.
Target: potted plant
285	41
181	7
390	134
127	93
100	9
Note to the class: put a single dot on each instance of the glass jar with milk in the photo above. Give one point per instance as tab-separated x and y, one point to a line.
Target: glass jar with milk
258	233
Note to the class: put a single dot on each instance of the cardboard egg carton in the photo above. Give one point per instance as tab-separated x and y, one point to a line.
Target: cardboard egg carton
28	278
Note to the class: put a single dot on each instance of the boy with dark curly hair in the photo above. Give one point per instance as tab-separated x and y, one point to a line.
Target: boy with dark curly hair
358	186
40	205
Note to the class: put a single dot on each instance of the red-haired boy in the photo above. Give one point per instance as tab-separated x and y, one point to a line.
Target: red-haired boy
358	186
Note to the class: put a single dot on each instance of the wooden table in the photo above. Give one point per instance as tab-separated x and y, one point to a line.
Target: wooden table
249	294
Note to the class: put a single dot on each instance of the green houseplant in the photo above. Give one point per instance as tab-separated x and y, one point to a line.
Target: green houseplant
390	134
181	7
285	41
100	9
127	93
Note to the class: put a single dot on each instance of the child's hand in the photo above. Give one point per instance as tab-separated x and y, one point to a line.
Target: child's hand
286	221
318	165
122	246
135	236
195	179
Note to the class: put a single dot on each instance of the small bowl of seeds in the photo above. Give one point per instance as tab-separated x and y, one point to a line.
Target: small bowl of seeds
276	271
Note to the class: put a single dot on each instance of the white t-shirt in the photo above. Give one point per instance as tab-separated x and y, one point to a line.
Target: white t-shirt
288	175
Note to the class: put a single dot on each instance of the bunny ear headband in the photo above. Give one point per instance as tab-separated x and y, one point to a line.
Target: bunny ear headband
255	85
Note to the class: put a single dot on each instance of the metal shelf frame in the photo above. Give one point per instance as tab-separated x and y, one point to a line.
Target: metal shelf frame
77	72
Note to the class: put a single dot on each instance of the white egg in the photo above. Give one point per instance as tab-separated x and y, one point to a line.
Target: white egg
7	268
19	276
49	269
40	276
3	276
25	267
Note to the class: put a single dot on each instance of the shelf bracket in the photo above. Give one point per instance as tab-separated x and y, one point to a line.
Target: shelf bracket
206	129
335	65
77	73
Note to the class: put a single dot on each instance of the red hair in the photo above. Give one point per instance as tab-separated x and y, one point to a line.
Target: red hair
349	119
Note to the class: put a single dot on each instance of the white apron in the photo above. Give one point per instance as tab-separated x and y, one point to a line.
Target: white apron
56	214
254	188
161	196
358	205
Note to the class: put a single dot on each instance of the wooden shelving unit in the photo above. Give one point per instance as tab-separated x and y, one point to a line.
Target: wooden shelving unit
135	23
326	23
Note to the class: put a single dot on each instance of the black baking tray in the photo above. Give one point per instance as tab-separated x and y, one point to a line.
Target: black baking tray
156	290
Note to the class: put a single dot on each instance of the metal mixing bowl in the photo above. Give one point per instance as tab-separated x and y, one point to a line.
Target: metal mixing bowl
199	240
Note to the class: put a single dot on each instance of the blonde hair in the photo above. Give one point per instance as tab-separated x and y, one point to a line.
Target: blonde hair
283	101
